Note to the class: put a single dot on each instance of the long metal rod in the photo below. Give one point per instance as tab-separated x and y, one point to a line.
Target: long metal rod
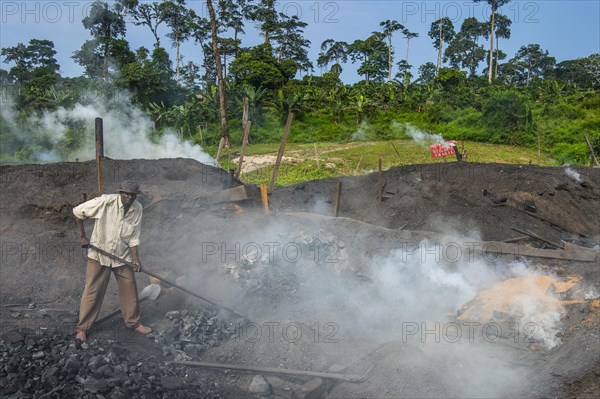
115	257
318	374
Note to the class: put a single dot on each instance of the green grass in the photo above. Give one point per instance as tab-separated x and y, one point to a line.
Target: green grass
350	159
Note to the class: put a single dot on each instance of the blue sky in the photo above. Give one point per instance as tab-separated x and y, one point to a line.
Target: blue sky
567	29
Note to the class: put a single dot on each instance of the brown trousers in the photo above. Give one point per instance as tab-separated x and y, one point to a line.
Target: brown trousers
96	281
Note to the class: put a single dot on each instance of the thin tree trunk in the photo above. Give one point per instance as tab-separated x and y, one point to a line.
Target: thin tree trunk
406	81
439	63
220	82
497	59
177	56
390	58
491	62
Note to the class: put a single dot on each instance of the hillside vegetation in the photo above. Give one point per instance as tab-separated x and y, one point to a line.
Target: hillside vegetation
474	92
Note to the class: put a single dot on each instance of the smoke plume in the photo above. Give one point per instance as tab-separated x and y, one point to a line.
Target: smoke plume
127	134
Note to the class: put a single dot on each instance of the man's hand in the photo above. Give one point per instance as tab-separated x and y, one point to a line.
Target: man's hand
84	242
138	265
136	259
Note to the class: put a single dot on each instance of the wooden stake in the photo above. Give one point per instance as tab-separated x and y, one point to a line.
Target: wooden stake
247	126
336	202
220	150
380	181
357	165
392	143
265	198
594	160
539	147
286	132
245	114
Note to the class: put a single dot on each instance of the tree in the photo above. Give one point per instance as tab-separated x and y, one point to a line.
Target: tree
228	46
581	72
232	14
463	50
408	35
389	27
150	80
149	14
219	68
257	67
291	43
333	51
502	28
427	73
404	72
181	21
107	27
266	16
35	71
494	4
372	54
531	61
441	31
35	64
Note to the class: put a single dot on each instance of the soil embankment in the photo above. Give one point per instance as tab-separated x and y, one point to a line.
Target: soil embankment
399	284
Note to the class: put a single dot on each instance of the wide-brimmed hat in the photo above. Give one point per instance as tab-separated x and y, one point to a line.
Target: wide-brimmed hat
130	186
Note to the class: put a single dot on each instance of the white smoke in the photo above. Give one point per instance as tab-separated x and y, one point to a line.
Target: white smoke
127	132
573	174
362	133
421	137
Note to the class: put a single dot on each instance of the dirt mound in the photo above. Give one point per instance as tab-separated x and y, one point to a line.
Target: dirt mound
379	286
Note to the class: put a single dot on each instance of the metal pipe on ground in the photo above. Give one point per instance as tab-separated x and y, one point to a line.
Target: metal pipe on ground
318	374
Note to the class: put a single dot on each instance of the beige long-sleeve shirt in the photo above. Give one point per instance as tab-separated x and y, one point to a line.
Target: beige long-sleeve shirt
114	231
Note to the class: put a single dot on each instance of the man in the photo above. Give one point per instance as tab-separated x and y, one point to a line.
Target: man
116	230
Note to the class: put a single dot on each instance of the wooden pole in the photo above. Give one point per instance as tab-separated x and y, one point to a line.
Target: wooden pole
286	132
265	198
245	114
397	153
539	148
357	165
247	126
220	150
99	151
380	181
594	160
338	195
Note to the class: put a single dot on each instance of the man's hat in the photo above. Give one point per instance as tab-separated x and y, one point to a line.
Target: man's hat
130	186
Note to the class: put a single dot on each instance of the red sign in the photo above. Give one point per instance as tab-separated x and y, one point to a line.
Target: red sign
442	149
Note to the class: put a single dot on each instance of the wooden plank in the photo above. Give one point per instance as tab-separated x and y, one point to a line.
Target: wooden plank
531	234
519	250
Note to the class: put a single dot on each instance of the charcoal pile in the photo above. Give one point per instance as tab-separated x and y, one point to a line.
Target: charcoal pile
54	365
193	331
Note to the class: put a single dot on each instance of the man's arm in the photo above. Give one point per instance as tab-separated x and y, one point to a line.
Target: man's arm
83	241
135	258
